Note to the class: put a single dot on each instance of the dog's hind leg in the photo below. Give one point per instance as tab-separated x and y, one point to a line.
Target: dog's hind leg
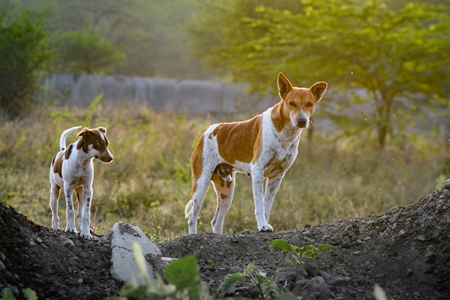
195	204
54	198
224	192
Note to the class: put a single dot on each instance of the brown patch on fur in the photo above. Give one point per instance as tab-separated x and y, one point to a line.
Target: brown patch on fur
223	170
279	120
238	140
68	151
223	196
197	163
57	163
275	167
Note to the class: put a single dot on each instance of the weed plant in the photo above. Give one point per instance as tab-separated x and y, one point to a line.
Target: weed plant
149	182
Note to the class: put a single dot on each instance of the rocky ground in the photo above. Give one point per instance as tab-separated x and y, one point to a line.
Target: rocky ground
405	250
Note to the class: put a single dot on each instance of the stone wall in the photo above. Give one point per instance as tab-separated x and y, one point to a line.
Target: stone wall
157	93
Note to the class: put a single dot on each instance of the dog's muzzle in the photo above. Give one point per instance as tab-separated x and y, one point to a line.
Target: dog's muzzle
302	122
106	159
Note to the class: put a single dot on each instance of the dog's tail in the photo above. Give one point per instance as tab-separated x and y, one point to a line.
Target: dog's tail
62	140
188	209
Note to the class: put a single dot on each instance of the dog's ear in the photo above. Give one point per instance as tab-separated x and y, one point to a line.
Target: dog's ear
84	131
284	85
318	89
102	129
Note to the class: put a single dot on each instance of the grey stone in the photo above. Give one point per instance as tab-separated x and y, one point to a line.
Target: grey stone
2	266
124	266
317	287
68	243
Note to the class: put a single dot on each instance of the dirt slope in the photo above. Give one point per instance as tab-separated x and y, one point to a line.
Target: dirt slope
406	251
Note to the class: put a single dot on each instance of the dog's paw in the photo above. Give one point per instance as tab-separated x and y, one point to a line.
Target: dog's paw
71	230
86	236
265	228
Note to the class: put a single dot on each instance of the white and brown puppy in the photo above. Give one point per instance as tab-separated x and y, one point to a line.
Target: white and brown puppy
73	169
263	147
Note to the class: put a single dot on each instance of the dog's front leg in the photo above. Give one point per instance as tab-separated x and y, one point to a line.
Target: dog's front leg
70	212
80	197
258	182
272	186
86	217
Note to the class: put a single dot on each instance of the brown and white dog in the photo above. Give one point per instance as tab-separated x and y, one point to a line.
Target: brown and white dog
73	169
263	147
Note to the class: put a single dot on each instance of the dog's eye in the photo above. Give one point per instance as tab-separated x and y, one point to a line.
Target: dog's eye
293	104
309	104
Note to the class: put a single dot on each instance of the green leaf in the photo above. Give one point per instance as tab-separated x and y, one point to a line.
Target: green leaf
29	294
134	292
7	295
183	273
286	296
228	281
326	247
281	245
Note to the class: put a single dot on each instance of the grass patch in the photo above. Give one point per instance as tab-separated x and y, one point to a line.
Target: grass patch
149	183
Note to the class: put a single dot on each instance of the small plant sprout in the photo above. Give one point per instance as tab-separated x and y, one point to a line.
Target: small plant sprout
258	278
211	266
299	253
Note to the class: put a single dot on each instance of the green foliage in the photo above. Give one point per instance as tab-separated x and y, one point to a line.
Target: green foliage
24	53
183	276
28	293
258	278
92	107
298	253
397	58
85	51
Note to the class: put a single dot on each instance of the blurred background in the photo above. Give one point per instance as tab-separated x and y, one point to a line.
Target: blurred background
157	73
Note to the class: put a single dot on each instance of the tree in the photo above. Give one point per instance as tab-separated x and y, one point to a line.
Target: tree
390	54
23	53
84	51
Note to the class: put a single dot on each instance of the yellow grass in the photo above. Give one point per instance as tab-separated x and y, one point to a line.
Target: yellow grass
148	183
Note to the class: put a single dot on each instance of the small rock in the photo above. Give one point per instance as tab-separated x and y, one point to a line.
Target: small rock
2	266
80	281
68	243
32	243
311	269
421	238
447	184
316	287
333	279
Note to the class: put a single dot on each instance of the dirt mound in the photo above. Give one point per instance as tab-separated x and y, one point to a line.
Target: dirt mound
406	251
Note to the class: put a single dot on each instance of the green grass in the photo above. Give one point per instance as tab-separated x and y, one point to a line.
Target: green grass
149	183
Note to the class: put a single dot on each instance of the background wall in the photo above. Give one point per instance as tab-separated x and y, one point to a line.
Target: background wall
160	94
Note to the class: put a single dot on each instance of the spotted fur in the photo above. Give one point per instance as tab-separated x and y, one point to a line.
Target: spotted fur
72	169
264	147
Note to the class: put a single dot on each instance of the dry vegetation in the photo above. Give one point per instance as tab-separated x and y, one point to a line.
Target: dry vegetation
149	183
